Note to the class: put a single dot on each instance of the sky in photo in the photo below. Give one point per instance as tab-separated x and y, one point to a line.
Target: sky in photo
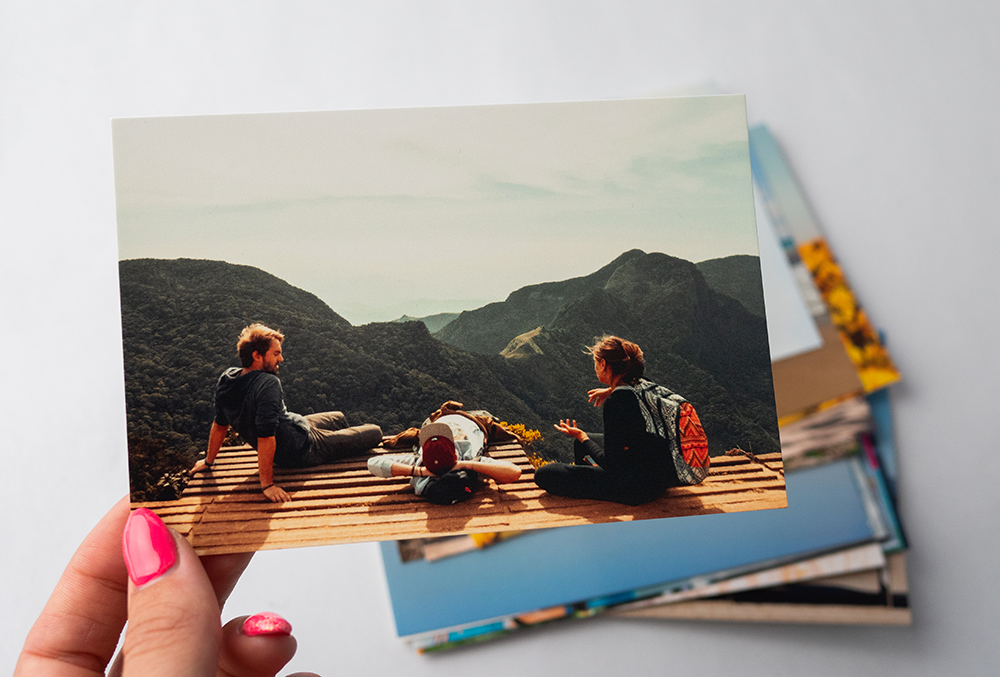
418	211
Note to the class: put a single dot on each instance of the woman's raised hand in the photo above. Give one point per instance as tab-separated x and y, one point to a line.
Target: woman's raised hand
132	567
569	427
598	395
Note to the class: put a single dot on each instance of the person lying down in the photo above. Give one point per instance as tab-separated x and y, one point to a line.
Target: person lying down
447	462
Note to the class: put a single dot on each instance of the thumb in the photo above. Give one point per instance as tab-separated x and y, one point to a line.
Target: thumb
173	613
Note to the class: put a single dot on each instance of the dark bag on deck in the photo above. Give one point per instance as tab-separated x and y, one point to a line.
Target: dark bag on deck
452	487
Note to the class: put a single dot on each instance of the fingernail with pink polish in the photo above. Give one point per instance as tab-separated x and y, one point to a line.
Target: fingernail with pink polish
147	546
266	623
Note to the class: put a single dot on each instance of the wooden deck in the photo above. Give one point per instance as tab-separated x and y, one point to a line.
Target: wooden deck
223	510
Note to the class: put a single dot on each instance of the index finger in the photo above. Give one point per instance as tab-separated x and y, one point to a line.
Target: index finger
78	630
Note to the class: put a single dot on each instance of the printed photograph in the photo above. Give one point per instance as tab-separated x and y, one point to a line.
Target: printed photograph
407	323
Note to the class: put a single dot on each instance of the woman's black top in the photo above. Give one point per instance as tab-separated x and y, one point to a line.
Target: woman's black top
634	466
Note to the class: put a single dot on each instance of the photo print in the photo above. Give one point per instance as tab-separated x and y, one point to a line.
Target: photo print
383	324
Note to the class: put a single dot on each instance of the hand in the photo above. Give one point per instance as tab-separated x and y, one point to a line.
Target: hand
171	598
598	395
200	466
568	427
276	494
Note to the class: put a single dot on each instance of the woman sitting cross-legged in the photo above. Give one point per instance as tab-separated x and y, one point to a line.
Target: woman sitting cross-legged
652	437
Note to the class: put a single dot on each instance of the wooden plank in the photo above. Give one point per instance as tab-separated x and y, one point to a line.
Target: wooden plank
156	506
522	492
338	520
319	535
325	534
403	496
381	530
223	510
330	488
334	490
359	516
358	485
166	510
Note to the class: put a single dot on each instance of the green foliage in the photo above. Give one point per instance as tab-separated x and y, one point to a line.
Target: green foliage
156	472
730	276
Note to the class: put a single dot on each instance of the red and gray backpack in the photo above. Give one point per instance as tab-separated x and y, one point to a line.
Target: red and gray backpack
670	416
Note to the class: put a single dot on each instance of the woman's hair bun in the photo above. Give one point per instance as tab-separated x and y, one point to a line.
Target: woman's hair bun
624	357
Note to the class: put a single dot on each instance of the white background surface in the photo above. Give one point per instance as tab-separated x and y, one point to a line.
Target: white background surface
887	111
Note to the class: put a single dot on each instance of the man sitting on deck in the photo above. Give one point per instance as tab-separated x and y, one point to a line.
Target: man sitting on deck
251	401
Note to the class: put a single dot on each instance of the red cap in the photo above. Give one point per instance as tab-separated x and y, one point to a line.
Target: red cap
439	454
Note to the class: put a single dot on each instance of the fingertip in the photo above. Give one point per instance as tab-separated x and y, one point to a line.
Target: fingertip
256	645
148	547
265	623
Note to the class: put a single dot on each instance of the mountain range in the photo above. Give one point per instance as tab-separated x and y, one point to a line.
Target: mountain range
522	358
702	343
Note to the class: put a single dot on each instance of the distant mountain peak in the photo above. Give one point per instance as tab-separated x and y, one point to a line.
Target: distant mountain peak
434	323
523	345
489	329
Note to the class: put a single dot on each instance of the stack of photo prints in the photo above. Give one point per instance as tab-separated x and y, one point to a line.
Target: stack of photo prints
598	354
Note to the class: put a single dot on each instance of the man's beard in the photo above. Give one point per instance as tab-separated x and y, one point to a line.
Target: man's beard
271	369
